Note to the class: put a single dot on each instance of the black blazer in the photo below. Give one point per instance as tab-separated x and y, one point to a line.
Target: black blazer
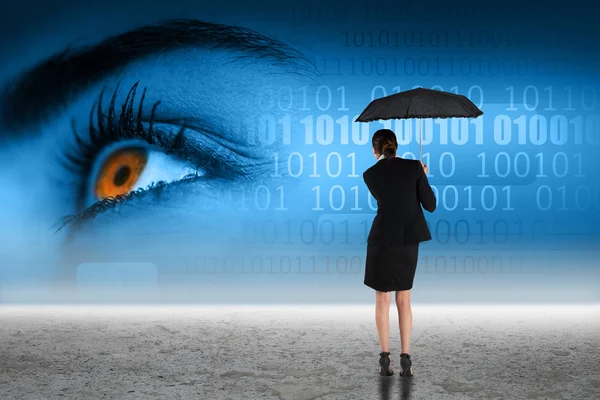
400	187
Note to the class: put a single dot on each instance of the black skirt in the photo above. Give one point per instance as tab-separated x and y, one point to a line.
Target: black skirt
391	268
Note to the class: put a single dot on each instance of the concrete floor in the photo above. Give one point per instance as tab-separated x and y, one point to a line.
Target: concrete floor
296	353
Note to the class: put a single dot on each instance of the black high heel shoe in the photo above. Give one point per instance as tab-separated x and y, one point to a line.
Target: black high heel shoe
406	365
384	363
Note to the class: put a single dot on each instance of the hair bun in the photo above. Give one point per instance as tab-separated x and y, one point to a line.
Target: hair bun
388	149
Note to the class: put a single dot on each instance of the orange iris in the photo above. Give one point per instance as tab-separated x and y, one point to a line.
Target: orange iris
120	172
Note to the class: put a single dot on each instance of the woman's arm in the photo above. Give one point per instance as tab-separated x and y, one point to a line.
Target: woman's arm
424	191
368	183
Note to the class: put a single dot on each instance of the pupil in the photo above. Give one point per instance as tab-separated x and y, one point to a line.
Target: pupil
122	175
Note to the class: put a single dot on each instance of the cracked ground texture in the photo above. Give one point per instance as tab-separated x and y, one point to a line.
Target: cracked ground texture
296	352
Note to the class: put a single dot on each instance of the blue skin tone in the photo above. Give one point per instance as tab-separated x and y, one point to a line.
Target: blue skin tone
194	84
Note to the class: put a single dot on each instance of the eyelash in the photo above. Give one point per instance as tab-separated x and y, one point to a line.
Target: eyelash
107	129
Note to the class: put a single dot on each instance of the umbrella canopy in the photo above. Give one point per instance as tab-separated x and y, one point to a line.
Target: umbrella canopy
420	103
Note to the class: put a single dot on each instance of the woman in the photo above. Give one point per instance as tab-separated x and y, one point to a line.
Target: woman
400	187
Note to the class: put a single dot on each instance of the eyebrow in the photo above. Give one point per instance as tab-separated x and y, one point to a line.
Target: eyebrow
33	96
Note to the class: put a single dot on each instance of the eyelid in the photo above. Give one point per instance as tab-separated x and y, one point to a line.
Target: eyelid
212	151
109	203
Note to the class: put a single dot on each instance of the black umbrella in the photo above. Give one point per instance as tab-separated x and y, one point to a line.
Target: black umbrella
420	103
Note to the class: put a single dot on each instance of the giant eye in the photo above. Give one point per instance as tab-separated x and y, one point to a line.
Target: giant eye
127	169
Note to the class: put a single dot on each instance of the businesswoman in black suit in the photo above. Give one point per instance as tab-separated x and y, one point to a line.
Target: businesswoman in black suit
400	187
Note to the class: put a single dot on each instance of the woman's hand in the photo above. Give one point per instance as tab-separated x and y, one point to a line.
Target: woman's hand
425	168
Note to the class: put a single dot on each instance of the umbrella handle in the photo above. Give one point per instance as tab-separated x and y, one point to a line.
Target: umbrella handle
420	140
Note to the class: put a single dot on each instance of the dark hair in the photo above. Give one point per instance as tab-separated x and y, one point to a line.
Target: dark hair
384	142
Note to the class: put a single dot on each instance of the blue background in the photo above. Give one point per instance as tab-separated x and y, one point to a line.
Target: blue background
517	188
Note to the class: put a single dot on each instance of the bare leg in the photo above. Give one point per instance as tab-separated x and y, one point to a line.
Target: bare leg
382	318
404	318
